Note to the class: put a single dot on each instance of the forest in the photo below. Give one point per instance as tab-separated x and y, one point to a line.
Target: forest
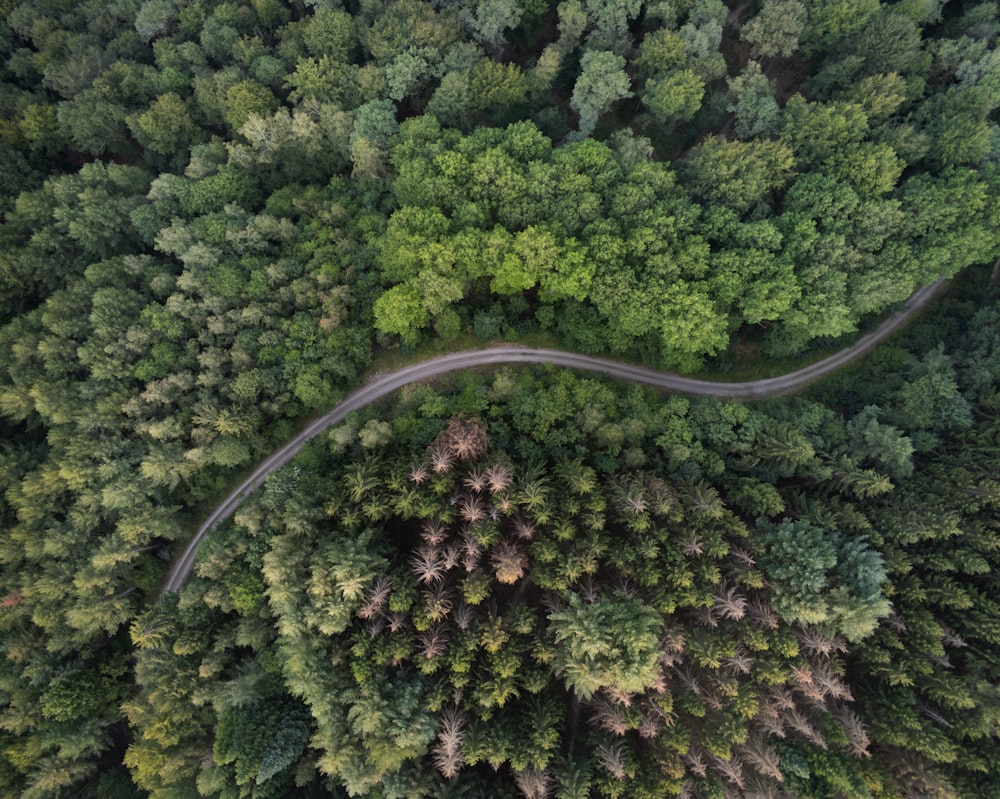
218	217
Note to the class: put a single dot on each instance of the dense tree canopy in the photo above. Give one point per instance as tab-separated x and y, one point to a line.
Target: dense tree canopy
215	215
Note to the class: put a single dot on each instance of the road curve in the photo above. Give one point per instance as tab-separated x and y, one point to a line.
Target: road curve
381	385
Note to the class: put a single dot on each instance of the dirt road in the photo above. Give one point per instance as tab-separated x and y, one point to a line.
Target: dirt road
381	385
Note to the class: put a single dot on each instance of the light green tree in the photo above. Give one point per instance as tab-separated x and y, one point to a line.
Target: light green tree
490	19
674	97
602	82
167	127
400	311
776	29
736	174
245	98
612	642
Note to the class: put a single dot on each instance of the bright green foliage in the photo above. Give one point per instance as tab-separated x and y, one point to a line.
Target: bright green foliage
610	643
831	24
331	33
661	51
206	207
880	95
950	240
166	127
246	98
799	557
40	127
819	134
642	282
400	311
735	174
674	97
321	80
495	88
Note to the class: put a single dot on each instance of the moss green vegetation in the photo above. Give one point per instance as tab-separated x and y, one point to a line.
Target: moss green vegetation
217	215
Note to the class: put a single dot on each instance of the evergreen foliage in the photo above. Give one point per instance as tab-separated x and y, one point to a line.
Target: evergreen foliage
214	215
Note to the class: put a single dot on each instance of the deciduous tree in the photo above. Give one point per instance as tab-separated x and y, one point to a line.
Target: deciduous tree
601	83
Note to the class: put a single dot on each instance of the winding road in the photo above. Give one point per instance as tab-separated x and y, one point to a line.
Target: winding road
381	385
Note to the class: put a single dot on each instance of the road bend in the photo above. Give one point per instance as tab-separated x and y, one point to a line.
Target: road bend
381	385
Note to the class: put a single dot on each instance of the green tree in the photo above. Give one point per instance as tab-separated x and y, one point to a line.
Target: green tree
166	128
323	80
610	23
820	133
880	95
39	125
401	311
776	29
601	83
737	175
407	73
930	400
451	102
702	36
611	642
884	445
95	124
957	123
820	577
661	51
490	19
496	88
675	97
93	207
374	123
891	42
245	98
831	24
330	33
690	324
261	739
757	111
394	27
154	18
